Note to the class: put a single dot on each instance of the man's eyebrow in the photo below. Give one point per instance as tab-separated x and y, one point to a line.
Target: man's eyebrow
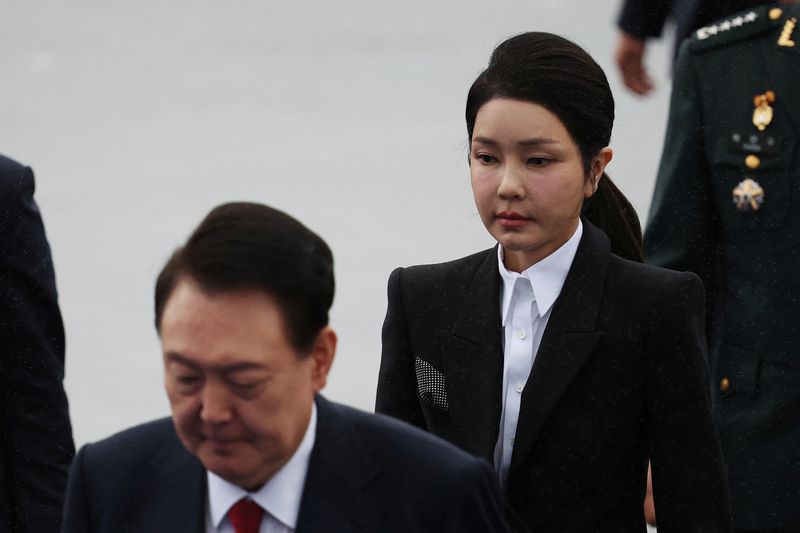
175	357
533	141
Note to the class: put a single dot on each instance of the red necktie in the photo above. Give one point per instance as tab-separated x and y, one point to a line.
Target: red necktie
245	515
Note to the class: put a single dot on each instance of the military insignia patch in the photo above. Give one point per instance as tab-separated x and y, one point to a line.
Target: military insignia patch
762	114
726	25
748	196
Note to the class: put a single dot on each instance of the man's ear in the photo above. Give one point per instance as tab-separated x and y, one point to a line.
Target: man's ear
321	355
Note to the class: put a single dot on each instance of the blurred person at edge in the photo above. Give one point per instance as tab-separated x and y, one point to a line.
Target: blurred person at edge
642	20
242	312
726	207
35	432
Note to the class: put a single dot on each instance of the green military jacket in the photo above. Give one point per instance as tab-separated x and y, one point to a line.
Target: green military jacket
727	207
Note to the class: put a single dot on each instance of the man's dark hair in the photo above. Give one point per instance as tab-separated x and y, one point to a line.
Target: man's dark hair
251	246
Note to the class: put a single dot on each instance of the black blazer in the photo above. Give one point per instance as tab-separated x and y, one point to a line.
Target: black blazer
366	474
35	433
620	376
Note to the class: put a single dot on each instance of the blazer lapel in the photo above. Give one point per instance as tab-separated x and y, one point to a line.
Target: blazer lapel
176	500
335	496
567	342
473	363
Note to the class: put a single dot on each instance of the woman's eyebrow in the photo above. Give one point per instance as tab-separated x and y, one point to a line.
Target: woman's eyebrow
533	141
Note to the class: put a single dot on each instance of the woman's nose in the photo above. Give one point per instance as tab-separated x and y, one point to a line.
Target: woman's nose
511	186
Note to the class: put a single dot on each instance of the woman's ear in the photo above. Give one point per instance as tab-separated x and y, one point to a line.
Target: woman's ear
599	163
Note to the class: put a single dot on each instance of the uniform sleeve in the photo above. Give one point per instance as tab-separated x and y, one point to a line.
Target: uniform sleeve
689	482
397	383
643	18
682	225
34	421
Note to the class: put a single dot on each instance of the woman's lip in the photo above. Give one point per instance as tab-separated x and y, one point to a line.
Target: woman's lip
510	219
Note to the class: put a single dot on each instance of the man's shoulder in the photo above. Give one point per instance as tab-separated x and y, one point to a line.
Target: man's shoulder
740	28
131	448
13	175
394	443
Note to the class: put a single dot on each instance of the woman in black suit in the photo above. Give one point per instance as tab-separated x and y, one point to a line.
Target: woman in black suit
560	362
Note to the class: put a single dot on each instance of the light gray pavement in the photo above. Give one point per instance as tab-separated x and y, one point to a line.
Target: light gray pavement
138	118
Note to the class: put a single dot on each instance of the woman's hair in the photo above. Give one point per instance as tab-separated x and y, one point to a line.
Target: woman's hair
559	75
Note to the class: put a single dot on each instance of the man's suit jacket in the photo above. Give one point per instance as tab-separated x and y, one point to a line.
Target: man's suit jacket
620	376
35	433
366	473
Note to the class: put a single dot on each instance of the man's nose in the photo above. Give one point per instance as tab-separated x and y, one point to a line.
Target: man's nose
216	408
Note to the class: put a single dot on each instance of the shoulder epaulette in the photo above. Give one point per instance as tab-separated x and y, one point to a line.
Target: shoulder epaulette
734	28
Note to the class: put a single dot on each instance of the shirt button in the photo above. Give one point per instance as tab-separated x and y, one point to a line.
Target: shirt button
518	387
724	385
522	334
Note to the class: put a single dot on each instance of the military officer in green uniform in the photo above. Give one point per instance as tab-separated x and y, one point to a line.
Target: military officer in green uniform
727	206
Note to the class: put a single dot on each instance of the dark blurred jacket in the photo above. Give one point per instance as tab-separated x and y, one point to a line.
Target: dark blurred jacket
35	433
647	18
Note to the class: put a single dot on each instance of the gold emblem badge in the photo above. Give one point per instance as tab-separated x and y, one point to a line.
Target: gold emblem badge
748	196
762	115
786	35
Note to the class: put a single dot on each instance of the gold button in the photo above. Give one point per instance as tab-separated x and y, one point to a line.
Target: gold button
752	161
724	384
775	13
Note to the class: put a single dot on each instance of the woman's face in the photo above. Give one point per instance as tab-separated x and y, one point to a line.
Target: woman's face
528	179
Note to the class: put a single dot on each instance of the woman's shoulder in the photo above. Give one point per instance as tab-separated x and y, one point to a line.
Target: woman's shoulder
644	278
456	268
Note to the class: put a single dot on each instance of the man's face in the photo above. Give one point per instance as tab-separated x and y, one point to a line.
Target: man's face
240	393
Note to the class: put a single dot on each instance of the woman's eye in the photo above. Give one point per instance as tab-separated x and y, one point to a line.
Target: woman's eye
538	161
484	158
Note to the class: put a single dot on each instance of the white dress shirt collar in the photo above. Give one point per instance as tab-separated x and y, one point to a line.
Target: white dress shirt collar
281	494
546	277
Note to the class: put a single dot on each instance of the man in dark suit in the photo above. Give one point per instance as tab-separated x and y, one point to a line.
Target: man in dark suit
727	207
35	433
619	376
640	20
242	311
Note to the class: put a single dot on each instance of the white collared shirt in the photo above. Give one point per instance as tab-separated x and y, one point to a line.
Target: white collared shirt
279	497
525	306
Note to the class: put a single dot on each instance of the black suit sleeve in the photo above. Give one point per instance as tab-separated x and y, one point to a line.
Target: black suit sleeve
644	18
476	504
76	505
689	482
36	435
397	382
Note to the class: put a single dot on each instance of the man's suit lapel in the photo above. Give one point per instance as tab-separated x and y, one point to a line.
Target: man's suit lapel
473	363
568	340
335	497
176	500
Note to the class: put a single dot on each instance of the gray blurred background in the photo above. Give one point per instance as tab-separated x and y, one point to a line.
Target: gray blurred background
138	118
